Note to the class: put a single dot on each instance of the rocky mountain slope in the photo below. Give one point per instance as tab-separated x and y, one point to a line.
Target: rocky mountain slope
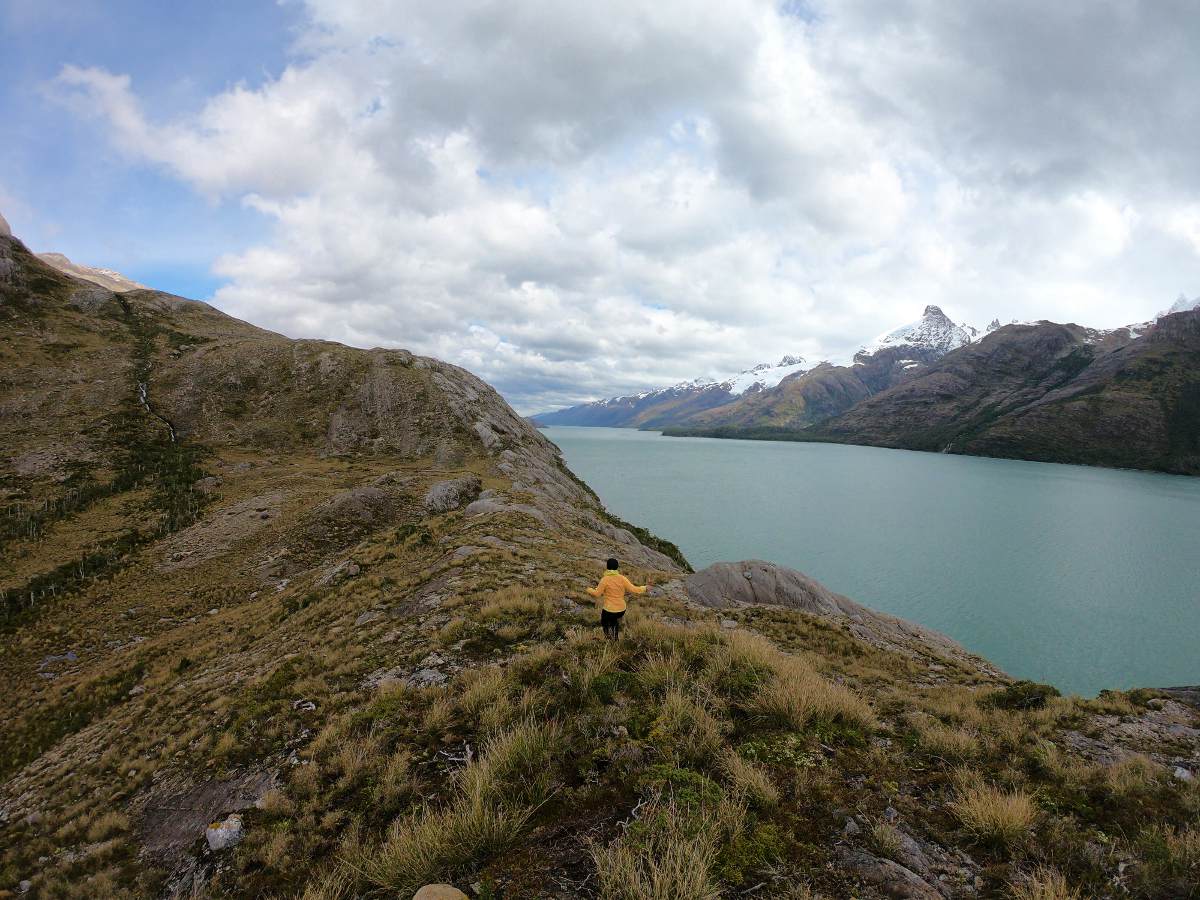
1057	393
790	394
290	619
678	403
106	278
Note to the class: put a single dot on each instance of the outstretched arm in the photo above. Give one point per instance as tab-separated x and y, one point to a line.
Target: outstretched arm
637	589
595	592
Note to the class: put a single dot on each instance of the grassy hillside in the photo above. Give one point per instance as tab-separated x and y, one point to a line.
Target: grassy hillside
340	594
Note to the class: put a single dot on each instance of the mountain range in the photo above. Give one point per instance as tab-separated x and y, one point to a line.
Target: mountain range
1126	397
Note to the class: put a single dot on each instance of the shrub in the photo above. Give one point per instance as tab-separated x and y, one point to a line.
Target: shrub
994	816
1022	695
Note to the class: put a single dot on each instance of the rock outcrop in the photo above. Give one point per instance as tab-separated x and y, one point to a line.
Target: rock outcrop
729	585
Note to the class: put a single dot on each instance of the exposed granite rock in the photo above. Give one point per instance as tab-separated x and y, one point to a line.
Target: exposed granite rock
447	495
890	878
754	582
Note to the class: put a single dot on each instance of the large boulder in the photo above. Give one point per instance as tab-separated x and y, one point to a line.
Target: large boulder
752	582
447	495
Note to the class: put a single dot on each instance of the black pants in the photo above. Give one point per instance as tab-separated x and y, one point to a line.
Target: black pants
611	623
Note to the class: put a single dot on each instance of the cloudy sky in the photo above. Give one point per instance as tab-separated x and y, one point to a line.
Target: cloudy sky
581	199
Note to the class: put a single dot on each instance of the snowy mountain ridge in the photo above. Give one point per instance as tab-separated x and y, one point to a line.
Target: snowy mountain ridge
934	331
760	377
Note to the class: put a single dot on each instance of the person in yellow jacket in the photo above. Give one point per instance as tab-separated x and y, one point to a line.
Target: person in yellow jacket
613	587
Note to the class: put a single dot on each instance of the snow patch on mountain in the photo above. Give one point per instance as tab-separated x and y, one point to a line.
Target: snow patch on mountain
933	331
764	376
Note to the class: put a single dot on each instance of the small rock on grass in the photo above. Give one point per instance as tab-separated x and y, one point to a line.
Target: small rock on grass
440	892
225	834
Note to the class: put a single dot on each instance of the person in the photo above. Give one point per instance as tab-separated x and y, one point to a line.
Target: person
613	587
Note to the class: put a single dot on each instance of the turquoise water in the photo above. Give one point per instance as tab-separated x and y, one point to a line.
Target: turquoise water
1084	578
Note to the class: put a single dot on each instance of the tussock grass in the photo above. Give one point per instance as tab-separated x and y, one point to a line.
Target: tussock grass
1131	775
396	781
1043	884
434	844
668	853
520	763
947	742
994	816
685	731
107	825
797	696
661	673
482	688
494	799
886	840
335	885
749	780
1172	861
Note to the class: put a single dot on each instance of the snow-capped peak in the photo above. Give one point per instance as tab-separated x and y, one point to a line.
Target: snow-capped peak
933	331
1183	304
764	375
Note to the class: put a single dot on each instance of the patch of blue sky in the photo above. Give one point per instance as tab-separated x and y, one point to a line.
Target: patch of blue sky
64	189
540	183
804	10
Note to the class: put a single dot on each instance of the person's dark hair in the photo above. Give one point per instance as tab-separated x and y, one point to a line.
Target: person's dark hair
612	564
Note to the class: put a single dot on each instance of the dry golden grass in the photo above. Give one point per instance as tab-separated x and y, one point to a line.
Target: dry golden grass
439	714
798	696
685	730
886	840
335	885
1043	884
355	757
517	765
749	780
672	859
396	781
435	844
660	673
107	825
949	743
482	688
998	817
1131	774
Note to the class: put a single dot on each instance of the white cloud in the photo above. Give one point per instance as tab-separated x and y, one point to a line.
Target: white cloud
577	200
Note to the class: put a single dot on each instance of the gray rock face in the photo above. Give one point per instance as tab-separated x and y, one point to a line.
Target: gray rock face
447	495
5	230
224	834
890	878
754	582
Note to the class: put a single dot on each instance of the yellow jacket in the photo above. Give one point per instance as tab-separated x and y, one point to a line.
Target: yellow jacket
613	585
